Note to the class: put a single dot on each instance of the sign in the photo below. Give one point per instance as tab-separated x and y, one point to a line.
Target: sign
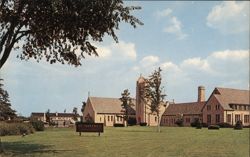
89	127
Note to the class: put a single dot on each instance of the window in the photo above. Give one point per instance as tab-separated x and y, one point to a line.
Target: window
209	119
208	107
111	118
100	118
246	118
217	118
187	120
217	107
229	118
108	118
117	118
237	117
155	119
240	107
245	107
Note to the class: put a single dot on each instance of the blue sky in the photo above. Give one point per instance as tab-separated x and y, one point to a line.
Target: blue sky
195	43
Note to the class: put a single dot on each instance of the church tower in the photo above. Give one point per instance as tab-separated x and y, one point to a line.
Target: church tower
140	105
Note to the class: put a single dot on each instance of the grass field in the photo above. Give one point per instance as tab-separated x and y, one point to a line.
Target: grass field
131	142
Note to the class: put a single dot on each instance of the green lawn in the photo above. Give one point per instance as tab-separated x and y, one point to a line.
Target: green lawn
131	142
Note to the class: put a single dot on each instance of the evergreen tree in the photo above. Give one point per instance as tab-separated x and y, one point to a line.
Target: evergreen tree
5	106
126	103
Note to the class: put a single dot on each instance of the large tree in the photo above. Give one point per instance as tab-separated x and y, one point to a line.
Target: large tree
126	103
59	30
5	106
154	95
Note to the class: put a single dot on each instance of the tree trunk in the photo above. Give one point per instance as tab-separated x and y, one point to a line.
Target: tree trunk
158	126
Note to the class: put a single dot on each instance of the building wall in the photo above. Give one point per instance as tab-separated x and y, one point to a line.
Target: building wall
211	109
169	120
88	110
231	117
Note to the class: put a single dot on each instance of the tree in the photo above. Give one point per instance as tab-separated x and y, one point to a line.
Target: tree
153	94
5	106
59	30
75	113
126	103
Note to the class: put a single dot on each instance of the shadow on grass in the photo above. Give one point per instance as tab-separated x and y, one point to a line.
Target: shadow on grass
24	148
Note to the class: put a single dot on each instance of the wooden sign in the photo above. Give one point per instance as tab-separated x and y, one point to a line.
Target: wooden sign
89	127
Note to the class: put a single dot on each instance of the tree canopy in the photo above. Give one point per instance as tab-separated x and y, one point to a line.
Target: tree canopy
5	106
126	103
59	30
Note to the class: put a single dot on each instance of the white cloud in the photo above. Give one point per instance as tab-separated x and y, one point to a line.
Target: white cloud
169	66
149	61
104	52
125	49
175	27
164	13
196	63
229	17
231	54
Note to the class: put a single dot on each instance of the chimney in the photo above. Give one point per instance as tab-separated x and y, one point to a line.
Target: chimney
201	93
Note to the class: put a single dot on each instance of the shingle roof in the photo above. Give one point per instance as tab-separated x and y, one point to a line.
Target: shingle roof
109	105
184	108
227	96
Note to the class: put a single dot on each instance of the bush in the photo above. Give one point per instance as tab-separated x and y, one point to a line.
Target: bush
179	122
131	121
225	125
213	127
15	128
37	125
196	123
204	125
238	125
118	125
143	124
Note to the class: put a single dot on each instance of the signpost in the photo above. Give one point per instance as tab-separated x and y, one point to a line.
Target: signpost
89	127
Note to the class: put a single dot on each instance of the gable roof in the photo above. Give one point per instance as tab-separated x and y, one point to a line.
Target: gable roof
184	108
227	96
109	105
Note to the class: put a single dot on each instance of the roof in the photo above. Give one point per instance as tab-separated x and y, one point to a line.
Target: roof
184	108
41	114
109	105
227	96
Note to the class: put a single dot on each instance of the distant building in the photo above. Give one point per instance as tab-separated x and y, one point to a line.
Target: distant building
105	110
188	112
59	119
228	106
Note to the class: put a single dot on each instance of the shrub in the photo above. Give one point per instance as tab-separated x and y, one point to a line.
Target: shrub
225	125
131	121
37	125
196	122
15	128
179	122
198	125
213	127
204	125
143	124
238	125
118	125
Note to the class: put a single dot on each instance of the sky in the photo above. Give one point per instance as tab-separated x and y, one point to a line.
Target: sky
195	43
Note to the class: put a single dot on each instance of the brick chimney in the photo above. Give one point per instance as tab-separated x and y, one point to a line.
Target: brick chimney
201	93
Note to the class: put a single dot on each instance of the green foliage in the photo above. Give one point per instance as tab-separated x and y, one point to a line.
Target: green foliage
60	30
6	112
196	123
126	103
143	124
179	122
15	128
37	125
118	125
238	125
225	125
131	121
213	127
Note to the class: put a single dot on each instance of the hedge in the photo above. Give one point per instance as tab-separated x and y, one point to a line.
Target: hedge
143	124
15	128
213	127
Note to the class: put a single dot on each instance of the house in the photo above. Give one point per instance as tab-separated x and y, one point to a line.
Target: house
226	105
106	110
187	112
59	119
